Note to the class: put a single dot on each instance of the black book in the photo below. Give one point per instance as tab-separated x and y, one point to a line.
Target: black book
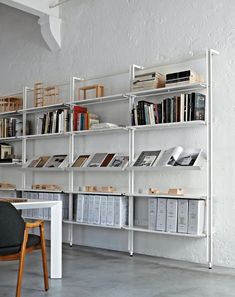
198	107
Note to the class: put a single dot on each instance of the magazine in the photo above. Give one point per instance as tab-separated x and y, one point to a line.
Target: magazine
178	156
96	160
147	158
119	160
57	161
80	160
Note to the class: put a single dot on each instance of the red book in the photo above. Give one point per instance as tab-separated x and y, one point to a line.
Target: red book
76	111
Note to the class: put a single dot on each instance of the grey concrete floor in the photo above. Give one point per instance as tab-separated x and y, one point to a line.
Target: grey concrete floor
91	272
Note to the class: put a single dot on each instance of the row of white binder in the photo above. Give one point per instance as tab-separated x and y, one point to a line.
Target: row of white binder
102	210
44	213
176	215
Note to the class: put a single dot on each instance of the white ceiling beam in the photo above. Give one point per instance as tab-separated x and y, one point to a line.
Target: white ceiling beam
48	19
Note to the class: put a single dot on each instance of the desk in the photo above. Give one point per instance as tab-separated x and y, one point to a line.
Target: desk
56	231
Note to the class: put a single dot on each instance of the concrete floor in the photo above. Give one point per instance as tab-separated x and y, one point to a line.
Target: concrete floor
91	272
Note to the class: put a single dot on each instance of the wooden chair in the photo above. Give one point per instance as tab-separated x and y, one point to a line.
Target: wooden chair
16	242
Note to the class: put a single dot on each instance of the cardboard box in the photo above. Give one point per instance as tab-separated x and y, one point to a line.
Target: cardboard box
103	210
171	221
161	214
152	213
196	216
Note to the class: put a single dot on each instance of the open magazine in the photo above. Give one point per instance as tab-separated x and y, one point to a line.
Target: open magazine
179	156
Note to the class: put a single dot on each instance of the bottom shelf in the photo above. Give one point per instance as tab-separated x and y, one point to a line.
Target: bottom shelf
139	229
92	225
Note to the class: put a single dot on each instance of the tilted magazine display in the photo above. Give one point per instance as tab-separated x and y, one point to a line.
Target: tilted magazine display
133	155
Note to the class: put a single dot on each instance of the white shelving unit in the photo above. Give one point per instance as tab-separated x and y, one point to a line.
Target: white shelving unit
131	132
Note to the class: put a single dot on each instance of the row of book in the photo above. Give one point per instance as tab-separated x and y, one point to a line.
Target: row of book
53	122
44	213
176	156
102	210
82	119
183	108
152	80
86	160
11	127
176	215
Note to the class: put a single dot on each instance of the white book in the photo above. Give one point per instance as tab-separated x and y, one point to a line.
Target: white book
103	210
196	216
171	221
152	213
117	210
161	214
34	195
85	208
45	210
110	210
182	215
124	211
41	212
91	209
50	197
29	211
97	210
79	209
24	211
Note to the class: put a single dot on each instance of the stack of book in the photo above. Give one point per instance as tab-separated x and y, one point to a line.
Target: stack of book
183	77
53	122
83	120
7	154
186	107
11	127
102	210
149	80
176	215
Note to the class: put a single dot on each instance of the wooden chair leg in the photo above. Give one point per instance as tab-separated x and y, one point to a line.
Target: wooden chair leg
21	264
44	259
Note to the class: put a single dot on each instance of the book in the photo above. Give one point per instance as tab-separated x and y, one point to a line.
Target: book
182	77
182	215
107	160
80	160
103	126
42	161
161	214
179	156
171	219
56	161
76	111
96	160
196	216
147	158
152	213
119	161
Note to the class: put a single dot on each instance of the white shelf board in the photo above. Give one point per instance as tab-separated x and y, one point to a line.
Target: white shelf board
34	190
44	169
12	164
11	139
11	189
96	193
186	196
145	230
162	168
100	131
105	99
101	169
48	135
190	124
45	108
169	90
91	225
9	114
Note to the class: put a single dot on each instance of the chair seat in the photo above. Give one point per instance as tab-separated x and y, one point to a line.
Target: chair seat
33	240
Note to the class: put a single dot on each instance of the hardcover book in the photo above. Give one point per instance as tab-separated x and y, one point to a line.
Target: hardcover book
119	161
80	160
97	159
56	161
147	158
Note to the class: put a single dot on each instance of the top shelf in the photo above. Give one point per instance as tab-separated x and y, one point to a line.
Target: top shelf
169	90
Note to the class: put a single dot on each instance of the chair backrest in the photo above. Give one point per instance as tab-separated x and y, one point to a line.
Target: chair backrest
12	226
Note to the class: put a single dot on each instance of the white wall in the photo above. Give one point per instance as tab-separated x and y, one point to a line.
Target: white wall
105	36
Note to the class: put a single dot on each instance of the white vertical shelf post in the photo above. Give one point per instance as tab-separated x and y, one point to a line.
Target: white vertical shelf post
24	149
210	192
